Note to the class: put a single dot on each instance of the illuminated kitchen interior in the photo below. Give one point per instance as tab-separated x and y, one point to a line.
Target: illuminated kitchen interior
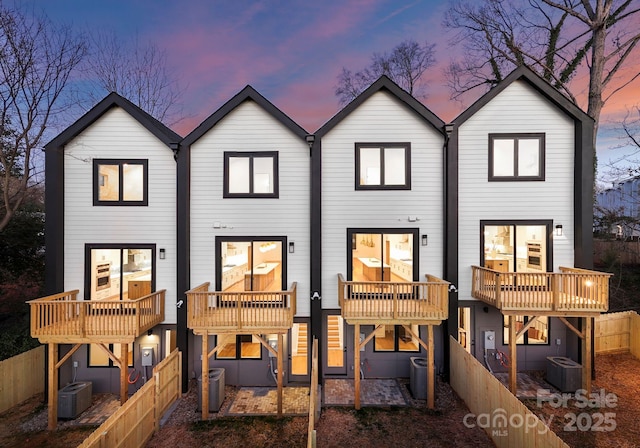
515	248
382	257
120	273
252	266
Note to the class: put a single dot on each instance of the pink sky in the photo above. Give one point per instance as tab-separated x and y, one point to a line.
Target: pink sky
291	51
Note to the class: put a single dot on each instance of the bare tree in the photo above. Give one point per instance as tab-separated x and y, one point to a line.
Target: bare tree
553	38
36	61
405	65
136	71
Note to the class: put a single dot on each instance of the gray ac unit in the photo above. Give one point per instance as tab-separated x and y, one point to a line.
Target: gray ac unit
74	399
564	373
418	377
216	389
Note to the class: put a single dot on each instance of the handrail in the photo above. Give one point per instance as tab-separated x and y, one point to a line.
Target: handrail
63	315
240	310
571	289
394	300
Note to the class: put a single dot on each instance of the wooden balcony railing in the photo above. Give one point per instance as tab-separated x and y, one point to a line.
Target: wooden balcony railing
64	319
571	291
394	301
234	311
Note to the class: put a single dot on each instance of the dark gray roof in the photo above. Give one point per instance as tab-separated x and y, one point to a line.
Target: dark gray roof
384	83
162	132
534	80
246	94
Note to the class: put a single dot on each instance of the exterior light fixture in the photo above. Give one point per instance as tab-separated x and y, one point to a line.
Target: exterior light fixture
559	230
163	254
292	247
425	239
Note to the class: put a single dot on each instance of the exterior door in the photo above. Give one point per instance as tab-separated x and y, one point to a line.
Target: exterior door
251	264
382	255
335	345
299	353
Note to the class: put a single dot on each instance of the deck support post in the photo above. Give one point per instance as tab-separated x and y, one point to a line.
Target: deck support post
586	354
53	386
124	364
431	389
205	377
280	371
356	366
513	351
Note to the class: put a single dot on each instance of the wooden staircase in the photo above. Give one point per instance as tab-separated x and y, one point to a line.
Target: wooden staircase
303	339
333	333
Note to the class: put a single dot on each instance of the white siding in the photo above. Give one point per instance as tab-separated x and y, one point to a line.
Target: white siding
250	128
380	119
517	109
116	135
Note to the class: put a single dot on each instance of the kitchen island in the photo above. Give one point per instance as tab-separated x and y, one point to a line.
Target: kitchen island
374	270
263	275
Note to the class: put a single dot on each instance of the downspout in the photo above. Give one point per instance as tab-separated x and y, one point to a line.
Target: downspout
316	242
450	256
182	247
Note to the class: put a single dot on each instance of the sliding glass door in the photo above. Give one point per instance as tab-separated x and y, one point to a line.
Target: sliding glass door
382	256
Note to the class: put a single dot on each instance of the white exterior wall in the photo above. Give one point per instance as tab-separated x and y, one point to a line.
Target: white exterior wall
518	109
116	135
382	118
250	128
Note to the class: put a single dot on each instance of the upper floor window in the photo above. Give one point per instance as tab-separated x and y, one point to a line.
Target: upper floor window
251	174
120	182
516	157
383	166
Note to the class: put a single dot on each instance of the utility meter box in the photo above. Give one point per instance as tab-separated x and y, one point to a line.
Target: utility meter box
147	356
489	340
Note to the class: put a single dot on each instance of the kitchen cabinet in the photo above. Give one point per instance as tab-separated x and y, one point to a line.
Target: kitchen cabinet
403	269
232	275
139	288
497	265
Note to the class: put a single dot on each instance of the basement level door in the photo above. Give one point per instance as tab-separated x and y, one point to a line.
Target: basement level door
336	348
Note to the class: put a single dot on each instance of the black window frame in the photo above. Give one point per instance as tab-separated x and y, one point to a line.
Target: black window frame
351	245
396	342
111	363
238	356
121	163
516	137
381	147
251	155
88	247
249	239
525	336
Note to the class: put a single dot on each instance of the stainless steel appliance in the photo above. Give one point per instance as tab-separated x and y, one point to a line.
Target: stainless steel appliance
534	255
103	276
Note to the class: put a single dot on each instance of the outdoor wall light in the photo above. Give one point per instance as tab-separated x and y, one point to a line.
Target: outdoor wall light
559	230
292	247
425	239
163	254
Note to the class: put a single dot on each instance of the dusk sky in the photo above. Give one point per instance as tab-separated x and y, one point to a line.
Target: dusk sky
291	51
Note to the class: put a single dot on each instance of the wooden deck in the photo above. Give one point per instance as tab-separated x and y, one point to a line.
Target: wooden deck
401	303
570	292
215	312
63	319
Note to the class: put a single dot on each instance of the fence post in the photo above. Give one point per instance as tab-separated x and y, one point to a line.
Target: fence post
156	400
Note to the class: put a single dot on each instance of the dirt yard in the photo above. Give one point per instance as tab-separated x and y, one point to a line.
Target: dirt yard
412	426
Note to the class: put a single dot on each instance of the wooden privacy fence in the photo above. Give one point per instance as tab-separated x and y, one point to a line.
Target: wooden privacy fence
22	377
135	422
617	333
314	402
507	421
